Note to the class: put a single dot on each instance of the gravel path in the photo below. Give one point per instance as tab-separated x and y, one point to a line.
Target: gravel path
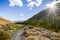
18	35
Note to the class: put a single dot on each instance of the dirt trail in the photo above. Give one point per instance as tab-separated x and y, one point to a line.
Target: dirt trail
18	35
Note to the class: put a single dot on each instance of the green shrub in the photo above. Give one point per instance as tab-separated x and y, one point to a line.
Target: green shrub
4	35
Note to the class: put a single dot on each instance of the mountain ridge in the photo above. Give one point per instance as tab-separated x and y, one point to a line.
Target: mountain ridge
43	14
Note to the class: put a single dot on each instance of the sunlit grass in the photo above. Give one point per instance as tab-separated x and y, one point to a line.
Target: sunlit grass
8	29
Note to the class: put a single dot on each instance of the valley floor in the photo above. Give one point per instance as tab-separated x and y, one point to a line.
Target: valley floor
34	33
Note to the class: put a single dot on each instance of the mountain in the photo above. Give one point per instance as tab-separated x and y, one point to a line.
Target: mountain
42	19
38	16
43	14
5	21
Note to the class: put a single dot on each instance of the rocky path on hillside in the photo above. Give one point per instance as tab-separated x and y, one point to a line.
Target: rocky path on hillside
18	35
34	33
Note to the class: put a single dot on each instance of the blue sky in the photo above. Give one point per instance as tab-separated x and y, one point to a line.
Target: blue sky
20	12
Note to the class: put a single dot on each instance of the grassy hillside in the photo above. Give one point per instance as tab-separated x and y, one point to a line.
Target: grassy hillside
4	21
38	16
7	28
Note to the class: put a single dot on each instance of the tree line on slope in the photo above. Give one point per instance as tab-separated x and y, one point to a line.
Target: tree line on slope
51	24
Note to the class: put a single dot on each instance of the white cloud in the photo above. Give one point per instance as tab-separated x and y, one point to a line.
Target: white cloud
52	3
32	3
28	0
15	3
21	15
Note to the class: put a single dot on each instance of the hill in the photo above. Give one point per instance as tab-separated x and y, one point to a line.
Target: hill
42	19
7	28
44	13
5	21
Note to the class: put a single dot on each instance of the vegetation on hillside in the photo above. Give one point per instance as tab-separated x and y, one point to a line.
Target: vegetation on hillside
36	33
7	30
47	23
42	19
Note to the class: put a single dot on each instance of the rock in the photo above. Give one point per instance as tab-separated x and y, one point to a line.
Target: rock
32	38
59	35
54	38
41	34
53	34
43	38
